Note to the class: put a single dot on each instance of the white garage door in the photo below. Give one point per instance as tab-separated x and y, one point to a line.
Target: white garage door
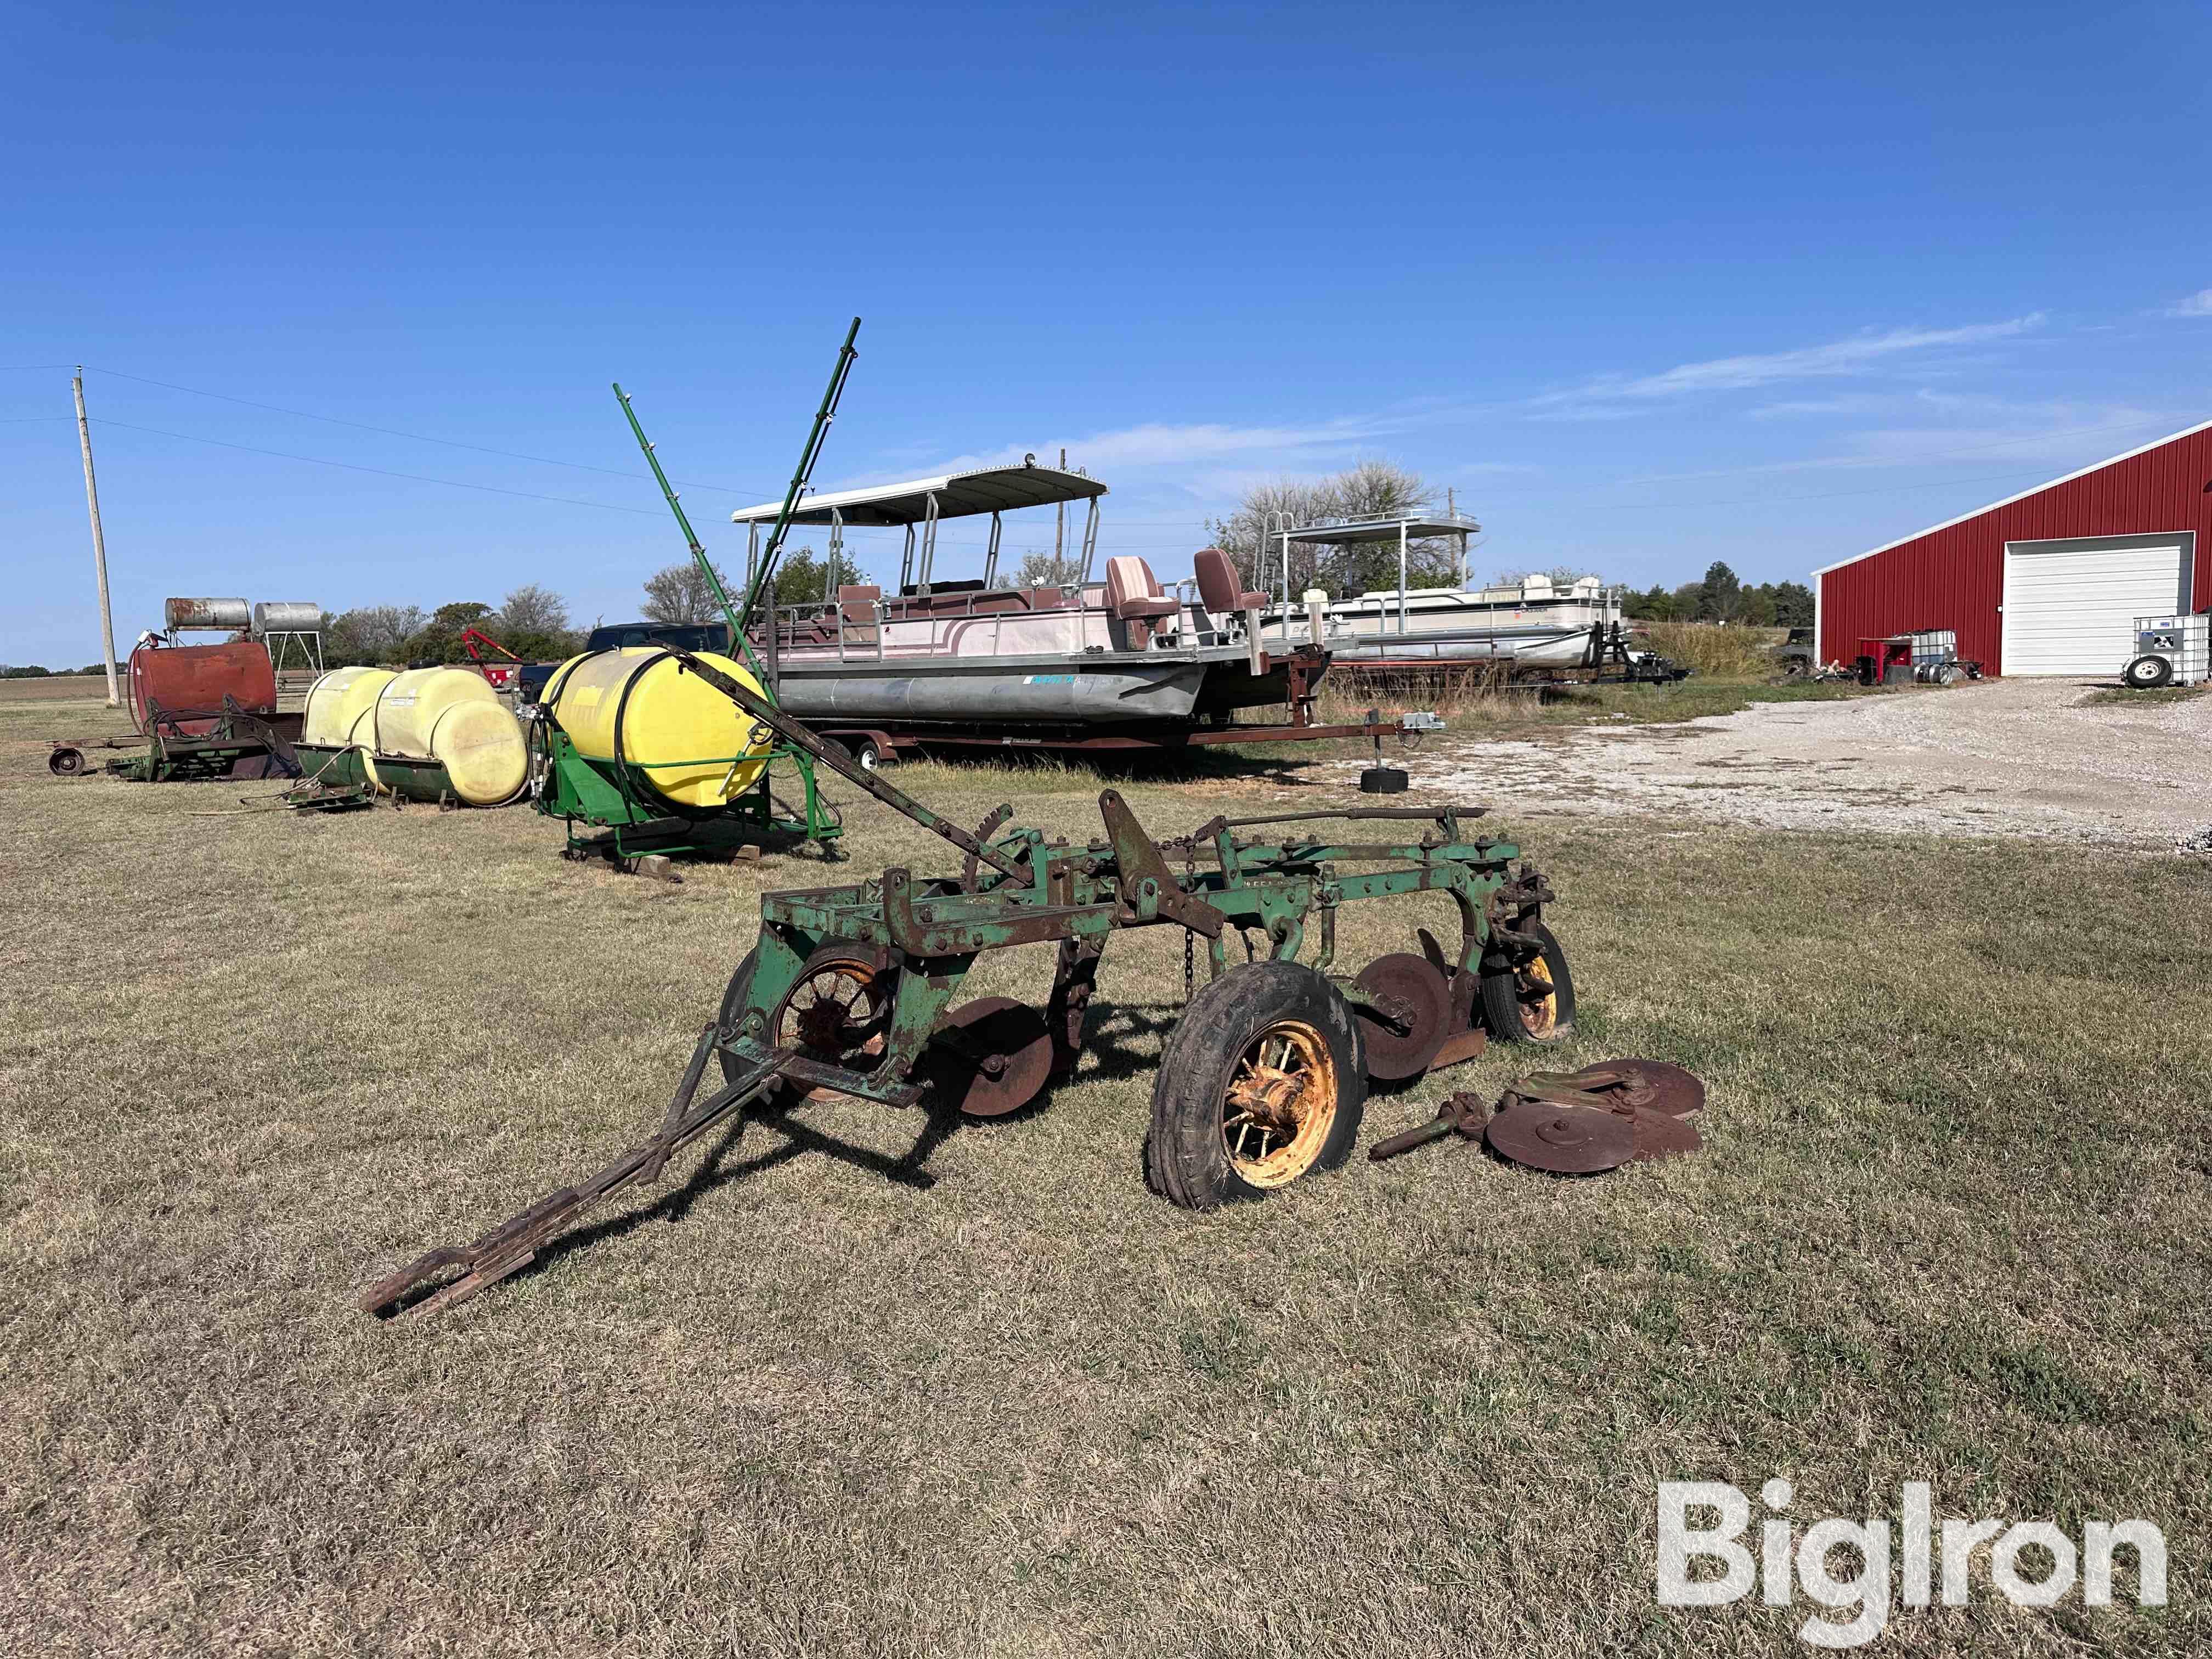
2068	605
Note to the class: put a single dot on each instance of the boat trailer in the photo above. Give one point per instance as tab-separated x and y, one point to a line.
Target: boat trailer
852	990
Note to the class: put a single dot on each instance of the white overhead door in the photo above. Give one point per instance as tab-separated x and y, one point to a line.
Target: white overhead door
2069	605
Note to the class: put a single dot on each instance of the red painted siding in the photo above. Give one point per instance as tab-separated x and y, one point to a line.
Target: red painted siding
1954	577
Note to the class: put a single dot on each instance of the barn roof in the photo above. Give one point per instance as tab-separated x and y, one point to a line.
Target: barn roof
2036	490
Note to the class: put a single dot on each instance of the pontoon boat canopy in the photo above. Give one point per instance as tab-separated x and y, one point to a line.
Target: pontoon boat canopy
1337	533
959	494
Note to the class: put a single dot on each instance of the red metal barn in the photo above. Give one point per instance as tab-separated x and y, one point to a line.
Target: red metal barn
2047	581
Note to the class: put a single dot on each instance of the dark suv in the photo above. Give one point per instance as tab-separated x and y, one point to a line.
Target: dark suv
613	636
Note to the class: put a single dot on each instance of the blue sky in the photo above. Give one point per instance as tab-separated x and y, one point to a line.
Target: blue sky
1650	286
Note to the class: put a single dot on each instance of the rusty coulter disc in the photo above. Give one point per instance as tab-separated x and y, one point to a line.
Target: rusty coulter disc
1660	1135
1564	1140
1422	996
990	1057
1653	1085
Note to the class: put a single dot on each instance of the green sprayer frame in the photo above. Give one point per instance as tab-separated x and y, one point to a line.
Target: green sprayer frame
614	797
606	796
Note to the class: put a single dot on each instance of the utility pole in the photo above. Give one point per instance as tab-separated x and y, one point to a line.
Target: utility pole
98	542
1060	530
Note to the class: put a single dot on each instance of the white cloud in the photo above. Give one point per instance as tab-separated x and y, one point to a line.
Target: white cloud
2198	304
1163	443
1610	396
2054	436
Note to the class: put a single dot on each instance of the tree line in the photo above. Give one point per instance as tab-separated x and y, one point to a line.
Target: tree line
533	621
1722	596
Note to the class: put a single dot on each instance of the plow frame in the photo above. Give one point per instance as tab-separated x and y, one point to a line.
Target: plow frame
929	931
1016	889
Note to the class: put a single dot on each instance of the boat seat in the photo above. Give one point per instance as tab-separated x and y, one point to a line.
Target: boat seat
1135	599
1218	589
859	603
1132	590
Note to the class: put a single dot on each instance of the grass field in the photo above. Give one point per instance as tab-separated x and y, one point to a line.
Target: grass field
850	1383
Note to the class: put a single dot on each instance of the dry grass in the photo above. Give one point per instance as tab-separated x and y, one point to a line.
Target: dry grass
1732	669
2129	697
1715	652
1474	704
59	688
837	1390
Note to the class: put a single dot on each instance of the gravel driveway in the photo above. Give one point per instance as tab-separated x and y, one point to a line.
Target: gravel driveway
2026	757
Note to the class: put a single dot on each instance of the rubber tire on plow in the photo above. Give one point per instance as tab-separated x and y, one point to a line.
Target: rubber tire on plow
1510	1017
1220	1047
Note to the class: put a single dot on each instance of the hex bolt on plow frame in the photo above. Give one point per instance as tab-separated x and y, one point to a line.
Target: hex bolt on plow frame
851	990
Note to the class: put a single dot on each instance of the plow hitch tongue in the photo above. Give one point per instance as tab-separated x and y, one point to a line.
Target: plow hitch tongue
513	1244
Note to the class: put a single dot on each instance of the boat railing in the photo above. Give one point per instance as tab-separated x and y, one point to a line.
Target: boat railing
832	624
868	639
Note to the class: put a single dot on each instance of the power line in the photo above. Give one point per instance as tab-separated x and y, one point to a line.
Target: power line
381	472
417	437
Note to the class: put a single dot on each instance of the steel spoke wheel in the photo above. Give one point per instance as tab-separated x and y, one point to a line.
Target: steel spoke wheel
1262	1082
838	1010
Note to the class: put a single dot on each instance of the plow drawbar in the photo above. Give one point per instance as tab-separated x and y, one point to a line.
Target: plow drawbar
514	1244
851	991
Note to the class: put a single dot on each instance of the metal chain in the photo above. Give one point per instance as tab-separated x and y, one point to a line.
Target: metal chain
1189	939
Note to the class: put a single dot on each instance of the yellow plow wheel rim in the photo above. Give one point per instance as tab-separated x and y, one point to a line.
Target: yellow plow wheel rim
1541	1014
1280	1104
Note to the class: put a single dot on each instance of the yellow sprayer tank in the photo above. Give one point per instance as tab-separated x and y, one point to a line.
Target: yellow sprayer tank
336	702
668	729
341	715
453	717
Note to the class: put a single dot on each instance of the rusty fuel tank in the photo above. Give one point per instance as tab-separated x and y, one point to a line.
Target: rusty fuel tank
198	676
202	614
